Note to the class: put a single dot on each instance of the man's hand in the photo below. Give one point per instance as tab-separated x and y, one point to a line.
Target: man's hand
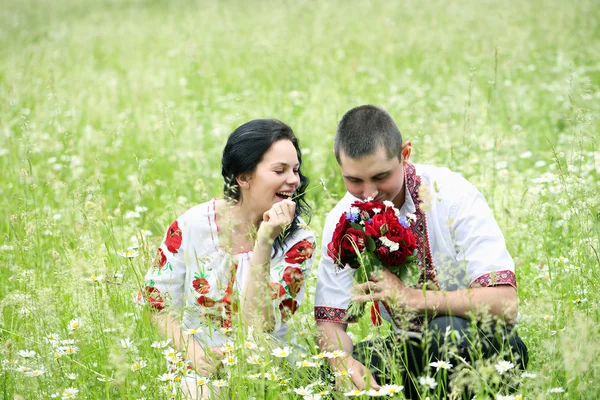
359	375
387	287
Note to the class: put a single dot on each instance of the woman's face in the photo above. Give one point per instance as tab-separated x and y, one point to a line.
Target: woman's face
276	177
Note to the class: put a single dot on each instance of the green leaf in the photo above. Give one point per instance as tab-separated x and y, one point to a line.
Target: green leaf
357	226
371	244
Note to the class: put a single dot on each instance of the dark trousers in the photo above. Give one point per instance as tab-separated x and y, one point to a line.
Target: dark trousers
399	358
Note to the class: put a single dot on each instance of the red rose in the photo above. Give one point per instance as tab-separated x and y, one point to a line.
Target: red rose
173	239
374	227
206	301
154	297
161	259
277	290
368	206
353	241
201	285
294	278
300	252
287	308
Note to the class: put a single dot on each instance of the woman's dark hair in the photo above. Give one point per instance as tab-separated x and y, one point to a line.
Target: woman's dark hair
245	149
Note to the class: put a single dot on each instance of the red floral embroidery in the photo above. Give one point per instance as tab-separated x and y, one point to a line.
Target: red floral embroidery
201	285
161	259
495	278
300	252
287	307
154	297
173	239
206	301
294	278
277	290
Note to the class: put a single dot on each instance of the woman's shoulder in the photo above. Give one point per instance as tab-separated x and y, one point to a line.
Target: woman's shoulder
198	214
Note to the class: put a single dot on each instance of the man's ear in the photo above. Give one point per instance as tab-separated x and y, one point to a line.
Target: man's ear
406	151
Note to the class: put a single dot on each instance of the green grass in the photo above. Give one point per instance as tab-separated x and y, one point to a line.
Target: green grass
106	106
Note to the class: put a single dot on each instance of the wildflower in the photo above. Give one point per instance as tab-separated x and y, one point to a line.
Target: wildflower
502	397
131	252
254	360
428	382
303	391
556	390
281	353
391	389
250	345
548	317
94	278
35	372
441	365
528	375
220	383
126	343
193	331
255	376
23	369
109	330
315	396
170	377
69	393
344	372
335	354
320	356
72	376
74	324
27	353
354	393
136	366
229	360
504	366
305	364
68	349
228	348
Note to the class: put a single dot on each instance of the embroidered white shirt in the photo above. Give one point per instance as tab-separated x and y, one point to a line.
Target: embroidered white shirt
467	247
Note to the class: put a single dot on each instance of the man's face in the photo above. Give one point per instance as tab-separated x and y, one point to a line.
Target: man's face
375	176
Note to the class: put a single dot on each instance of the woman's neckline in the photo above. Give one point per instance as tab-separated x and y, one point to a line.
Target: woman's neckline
218	232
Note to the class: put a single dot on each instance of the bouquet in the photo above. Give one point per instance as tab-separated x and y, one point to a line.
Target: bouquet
369	237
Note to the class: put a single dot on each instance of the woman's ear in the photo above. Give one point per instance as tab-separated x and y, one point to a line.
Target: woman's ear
243	180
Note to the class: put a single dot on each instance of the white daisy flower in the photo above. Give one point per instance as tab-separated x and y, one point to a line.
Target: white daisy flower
74	324
441	365
69	393
556	390
126	343
428	382
281	353
220	383
254	359
504	366
26	353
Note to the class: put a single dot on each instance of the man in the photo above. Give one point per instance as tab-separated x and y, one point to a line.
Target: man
465	266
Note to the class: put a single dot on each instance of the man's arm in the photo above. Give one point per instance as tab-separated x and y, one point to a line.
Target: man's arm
500	301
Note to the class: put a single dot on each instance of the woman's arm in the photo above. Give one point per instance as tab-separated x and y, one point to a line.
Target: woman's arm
256	298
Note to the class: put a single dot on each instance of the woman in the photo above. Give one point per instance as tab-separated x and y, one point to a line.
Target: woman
249	252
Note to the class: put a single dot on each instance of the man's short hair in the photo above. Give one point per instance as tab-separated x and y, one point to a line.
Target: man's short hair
363	129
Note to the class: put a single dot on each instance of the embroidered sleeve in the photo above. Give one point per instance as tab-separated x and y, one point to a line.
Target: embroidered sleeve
164	281
332	294
495	278
294	268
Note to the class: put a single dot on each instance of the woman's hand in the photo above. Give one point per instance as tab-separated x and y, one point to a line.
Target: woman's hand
275	220
205	363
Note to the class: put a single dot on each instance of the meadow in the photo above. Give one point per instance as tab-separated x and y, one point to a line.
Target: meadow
114	114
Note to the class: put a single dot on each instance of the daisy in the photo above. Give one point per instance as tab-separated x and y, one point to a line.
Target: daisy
335	354
528	375
72	376
229	360
74	324
354	393
315	396
228	348
556	390
170	377
391	389
69	393
344	372
428	382
281	353
160	345
220	383
35	372
26	353
138	365
504	366
502	397
305	364
303	391
254	360
441	365
250	345
94	278
193	331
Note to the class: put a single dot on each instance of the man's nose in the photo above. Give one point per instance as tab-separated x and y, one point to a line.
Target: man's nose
370	191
